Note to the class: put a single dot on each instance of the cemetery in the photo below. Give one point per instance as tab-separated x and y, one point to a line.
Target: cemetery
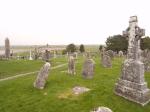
91	83
63	64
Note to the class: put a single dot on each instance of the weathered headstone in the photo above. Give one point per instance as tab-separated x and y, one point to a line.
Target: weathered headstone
7	48
71	65
30	57
131	85
106	59
146	59
120	54
75	55
88	68
42	76
47	55
102	109
110	53
36	54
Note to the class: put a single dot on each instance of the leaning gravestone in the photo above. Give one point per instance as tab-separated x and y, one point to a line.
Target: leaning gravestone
71	65
88	68
131	85
42	76
7	48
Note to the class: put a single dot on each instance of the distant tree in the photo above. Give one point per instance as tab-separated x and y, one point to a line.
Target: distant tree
145	43
82	48
117	43
100	47
71	48
64	51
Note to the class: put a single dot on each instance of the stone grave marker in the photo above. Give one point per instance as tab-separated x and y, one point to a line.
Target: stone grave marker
42	76
131	84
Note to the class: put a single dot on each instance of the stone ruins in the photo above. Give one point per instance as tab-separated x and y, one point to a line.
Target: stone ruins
131	84
7	48
42	76
88	68
71	65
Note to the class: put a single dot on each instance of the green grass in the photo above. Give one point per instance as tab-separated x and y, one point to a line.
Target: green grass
15	67
18	95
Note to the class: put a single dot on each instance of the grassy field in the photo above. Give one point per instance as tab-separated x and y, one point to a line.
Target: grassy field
15	67
19	95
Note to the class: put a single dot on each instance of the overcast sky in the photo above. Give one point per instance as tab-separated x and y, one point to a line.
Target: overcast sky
37	22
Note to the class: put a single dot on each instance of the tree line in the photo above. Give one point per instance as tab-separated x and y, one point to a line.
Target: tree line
119	42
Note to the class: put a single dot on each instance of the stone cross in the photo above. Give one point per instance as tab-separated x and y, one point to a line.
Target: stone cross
134	34
131	84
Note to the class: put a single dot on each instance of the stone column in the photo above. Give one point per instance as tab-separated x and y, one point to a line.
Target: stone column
131	84
7	48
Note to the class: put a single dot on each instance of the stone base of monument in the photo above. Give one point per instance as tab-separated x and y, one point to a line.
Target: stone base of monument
131	85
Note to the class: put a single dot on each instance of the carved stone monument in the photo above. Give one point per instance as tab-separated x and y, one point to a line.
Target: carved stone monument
131	84
7	48
71	65
42	76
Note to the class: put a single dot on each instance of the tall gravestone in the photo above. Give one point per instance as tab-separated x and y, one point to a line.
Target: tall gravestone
30	57
131	84
7	48
105	58
71	65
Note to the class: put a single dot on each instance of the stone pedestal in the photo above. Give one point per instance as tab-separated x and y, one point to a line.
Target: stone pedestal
131	84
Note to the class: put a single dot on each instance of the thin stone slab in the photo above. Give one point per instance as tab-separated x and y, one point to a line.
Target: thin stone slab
71	65
42	76
79	90
102	109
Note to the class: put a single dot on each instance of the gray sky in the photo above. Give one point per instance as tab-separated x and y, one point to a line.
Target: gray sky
68	21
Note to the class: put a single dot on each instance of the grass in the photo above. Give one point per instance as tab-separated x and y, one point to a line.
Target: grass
19	95
15	67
